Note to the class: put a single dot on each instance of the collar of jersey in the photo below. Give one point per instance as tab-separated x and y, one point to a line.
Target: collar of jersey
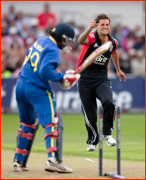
52	39
97	36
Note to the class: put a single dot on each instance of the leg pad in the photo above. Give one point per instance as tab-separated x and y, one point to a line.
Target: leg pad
22	134
51	149
21	151
51	134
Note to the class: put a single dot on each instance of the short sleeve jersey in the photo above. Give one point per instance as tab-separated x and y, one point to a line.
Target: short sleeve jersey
99	67
36	66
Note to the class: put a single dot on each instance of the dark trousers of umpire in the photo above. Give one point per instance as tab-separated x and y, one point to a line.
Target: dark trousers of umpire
89	91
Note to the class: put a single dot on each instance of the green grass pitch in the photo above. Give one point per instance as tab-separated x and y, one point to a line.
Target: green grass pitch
75	135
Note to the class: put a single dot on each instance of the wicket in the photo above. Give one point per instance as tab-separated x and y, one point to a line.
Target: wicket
115	176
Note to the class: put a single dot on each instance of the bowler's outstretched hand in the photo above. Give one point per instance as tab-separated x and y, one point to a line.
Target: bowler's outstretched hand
121	75
92	24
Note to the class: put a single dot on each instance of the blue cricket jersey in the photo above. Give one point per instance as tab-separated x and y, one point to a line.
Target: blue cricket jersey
40	62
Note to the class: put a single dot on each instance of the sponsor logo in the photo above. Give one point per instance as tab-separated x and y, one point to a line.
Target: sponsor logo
3	92
69	101
101	60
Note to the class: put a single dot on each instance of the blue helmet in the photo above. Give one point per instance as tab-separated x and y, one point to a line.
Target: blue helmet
63	32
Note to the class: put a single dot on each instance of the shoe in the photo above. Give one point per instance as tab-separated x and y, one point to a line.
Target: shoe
110	141
91	147
17	167
58	167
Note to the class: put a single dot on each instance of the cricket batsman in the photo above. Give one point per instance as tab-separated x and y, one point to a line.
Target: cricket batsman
35	99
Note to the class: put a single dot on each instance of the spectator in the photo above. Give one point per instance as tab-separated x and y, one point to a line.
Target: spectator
118	35
21	20
129	41
11	13
24	31
47	19
72	59
30	39
64	66
5	74
15	57
65	62
124	62
131	54
12	24
11	38
29	42
125	31
4	28
72	24
76	29
34	27
81	29
4	55
138	65
139	41
5	18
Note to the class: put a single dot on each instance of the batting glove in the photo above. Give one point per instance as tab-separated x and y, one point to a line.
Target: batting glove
69	71
69	79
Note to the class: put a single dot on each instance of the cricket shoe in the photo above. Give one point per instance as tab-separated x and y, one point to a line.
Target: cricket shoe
58	167
91	147
18	166
110	141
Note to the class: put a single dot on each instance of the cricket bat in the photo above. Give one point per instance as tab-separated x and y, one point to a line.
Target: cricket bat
90	59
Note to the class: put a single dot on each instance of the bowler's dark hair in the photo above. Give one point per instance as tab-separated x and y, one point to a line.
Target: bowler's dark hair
102	16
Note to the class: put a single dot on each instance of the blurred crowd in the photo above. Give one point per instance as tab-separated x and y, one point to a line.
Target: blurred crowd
19	31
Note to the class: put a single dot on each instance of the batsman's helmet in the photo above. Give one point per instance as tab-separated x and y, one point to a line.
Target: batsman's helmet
64	33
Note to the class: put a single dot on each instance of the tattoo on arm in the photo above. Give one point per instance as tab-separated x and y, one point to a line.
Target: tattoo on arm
83	37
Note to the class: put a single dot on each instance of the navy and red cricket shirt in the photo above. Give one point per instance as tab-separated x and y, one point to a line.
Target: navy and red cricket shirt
99	67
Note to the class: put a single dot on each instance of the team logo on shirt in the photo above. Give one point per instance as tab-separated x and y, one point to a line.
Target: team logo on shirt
101	60
95	45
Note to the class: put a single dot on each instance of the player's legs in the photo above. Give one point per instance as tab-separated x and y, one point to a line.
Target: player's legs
27	130
45	106
104	94
89	108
